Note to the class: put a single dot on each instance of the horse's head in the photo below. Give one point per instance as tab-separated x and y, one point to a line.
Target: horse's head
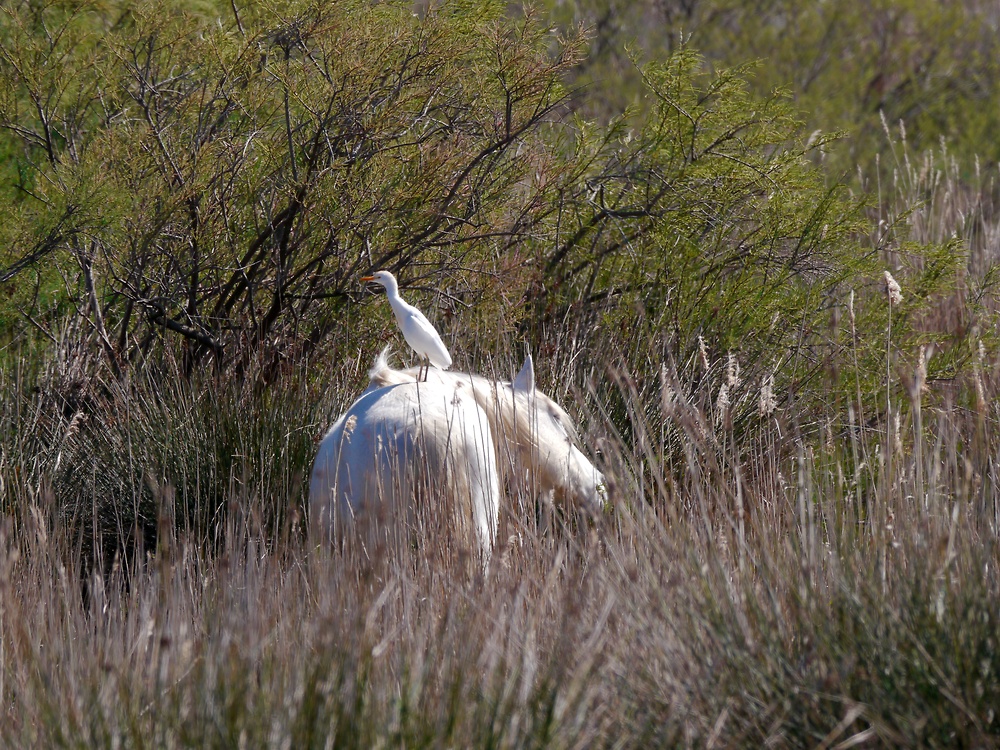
547	442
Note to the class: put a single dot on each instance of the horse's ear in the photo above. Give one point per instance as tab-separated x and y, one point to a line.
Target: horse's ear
525	380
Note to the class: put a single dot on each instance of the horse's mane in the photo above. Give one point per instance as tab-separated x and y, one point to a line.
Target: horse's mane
506	409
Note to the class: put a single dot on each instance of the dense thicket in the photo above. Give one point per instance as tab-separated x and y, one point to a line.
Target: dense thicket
211	187
224	181
848	66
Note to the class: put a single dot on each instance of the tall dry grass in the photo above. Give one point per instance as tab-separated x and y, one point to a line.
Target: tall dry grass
756	587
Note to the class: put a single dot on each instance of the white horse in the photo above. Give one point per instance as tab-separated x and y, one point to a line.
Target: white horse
459	432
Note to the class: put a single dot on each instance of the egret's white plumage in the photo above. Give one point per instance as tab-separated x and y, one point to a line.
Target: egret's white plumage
422	337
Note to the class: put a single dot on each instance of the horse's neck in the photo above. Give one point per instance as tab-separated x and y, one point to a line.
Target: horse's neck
509	418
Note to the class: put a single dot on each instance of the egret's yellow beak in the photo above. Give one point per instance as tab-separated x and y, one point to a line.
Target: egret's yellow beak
368	278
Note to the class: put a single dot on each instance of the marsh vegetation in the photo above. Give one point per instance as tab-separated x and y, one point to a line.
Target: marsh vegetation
801	543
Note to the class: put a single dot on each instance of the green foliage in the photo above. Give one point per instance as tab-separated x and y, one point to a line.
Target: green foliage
225	180
700	222
930	64
228	182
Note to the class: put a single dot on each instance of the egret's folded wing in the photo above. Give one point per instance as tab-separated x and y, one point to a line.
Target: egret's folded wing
424	334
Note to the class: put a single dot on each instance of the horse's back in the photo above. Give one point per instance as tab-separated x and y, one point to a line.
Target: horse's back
398	444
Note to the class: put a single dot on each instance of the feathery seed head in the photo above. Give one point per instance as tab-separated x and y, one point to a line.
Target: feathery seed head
921	374
897	437
893	289
722	403
732	370
767	403
667	393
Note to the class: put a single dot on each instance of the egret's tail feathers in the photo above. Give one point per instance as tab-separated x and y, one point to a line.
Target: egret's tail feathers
441	359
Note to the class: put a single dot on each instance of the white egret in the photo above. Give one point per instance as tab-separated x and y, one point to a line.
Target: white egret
422	337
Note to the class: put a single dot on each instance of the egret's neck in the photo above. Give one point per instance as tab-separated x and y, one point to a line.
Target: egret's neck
391	288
